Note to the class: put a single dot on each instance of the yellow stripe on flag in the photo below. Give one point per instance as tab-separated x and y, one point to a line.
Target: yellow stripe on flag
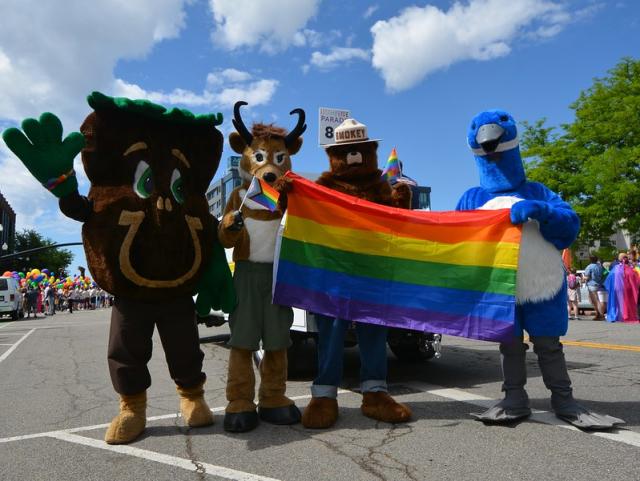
503	255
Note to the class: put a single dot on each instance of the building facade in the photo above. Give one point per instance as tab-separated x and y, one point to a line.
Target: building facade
8	223
220	190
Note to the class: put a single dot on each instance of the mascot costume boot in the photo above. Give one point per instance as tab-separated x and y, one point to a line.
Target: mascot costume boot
147	233
354	170
251	229
549	225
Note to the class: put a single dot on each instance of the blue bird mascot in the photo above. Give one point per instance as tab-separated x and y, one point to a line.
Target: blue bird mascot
549	225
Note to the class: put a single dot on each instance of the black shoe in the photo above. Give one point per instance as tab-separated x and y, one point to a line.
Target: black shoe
241	422
282	415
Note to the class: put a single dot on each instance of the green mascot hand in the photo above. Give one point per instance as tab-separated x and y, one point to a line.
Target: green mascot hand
45	154
215	288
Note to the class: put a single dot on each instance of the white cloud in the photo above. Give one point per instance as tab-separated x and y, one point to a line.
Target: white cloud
270	25
337	56
223	89
52	57
370	11
421	40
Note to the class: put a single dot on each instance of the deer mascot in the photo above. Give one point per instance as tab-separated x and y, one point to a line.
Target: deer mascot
251	229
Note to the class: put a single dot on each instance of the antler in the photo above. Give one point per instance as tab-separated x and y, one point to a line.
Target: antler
239	124
298	129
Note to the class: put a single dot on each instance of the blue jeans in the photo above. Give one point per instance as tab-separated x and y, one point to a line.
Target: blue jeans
372	341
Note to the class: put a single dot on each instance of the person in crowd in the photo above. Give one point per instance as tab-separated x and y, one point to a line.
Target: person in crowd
594	274
50	300
573	294
32	302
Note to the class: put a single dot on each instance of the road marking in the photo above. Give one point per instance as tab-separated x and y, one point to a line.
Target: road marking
193	466
597	345
625	436
149	419
13	348
2	344
5	325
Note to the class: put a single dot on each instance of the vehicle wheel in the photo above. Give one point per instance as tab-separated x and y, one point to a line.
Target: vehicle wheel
14	315
411	347
302	357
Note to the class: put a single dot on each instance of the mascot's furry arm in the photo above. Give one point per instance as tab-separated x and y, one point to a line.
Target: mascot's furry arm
559	224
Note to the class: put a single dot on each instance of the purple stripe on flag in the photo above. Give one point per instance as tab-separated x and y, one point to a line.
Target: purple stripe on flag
470	326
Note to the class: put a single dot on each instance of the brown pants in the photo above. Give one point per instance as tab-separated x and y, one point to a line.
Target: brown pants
130	343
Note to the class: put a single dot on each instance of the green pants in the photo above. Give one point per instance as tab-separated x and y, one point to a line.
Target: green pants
256	318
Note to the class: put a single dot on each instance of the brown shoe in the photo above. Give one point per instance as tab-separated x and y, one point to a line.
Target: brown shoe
130	422
320	413
193	407
382	407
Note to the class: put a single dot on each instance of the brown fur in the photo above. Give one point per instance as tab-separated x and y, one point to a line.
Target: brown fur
382	407
240	382
320	413
362	180
273	380
269	140
164	250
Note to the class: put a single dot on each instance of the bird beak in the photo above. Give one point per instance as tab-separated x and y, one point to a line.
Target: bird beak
488	137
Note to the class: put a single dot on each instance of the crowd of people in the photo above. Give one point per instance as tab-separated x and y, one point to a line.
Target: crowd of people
49	300
613	288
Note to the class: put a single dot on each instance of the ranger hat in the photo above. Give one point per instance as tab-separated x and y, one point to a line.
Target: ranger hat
350	132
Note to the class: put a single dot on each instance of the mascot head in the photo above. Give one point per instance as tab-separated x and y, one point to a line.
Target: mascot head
150	234
493	139
266	150
353	155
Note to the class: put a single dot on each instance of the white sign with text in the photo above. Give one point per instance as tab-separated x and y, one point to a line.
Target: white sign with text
328	121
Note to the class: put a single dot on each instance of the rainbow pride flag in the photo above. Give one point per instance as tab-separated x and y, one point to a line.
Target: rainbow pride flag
262	193
445	272
392	169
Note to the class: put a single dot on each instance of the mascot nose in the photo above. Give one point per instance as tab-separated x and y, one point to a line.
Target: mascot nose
270	177
488	137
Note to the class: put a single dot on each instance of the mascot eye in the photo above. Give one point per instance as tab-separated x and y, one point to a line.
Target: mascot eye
259	157
143	180
176	186
473	126
504	118
279	158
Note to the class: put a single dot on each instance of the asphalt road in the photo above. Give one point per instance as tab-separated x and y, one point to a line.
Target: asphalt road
56	398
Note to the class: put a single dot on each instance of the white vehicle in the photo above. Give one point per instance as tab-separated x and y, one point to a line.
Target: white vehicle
10	298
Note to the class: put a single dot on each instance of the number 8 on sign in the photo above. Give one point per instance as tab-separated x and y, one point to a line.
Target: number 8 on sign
328	132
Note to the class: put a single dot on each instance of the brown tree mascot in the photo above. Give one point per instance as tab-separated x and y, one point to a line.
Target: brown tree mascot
252	231
354	170
147	232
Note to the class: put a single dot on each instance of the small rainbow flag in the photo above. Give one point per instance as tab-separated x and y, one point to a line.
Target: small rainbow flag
446	272
392	169
261	192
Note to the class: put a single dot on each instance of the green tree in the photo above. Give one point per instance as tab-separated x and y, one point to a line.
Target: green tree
594	162
53	259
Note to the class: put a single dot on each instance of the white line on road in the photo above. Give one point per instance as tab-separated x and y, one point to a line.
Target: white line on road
625	436
193	466
5	325
2	344
13	348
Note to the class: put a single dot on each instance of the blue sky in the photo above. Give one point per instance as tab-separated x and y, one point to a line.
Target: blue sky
414	72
